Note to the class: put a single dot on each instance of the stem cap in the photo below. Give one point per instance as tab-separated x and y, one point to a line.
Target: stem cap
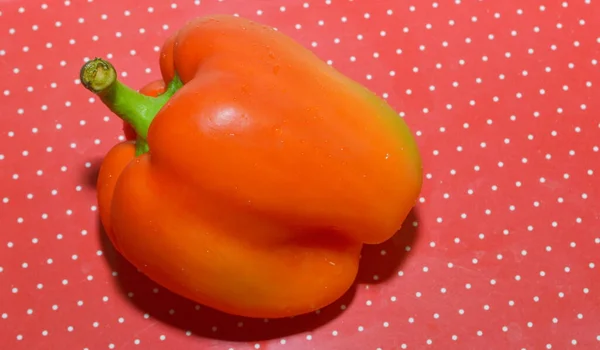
97	75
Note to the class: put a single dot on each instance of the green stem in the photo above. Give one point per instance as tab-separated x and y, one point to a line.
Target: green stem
138	110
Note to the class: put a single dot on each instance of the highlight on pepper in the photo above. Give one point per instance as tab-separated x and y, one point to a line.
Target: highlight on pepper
253	172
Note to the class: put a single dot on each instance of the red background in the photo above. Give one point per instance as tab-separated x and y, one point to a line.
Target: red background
502	251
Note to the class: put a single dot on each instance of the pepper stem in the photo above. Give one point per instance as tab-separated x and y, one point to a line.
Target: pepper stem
100	77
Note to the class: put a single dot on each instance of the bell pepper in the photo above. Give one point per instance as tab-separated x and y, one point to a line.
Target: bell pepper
253	173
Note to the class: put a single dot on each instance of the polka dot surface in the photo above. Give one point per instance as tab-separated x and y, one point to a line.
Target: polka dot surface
502	250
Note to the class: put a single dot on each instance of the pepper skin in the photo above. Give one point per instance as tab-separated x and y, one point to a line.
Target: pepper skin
257	171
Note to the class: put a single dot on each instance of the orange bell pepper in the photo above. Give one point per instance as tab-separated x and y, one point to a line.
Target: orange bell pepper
257	171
